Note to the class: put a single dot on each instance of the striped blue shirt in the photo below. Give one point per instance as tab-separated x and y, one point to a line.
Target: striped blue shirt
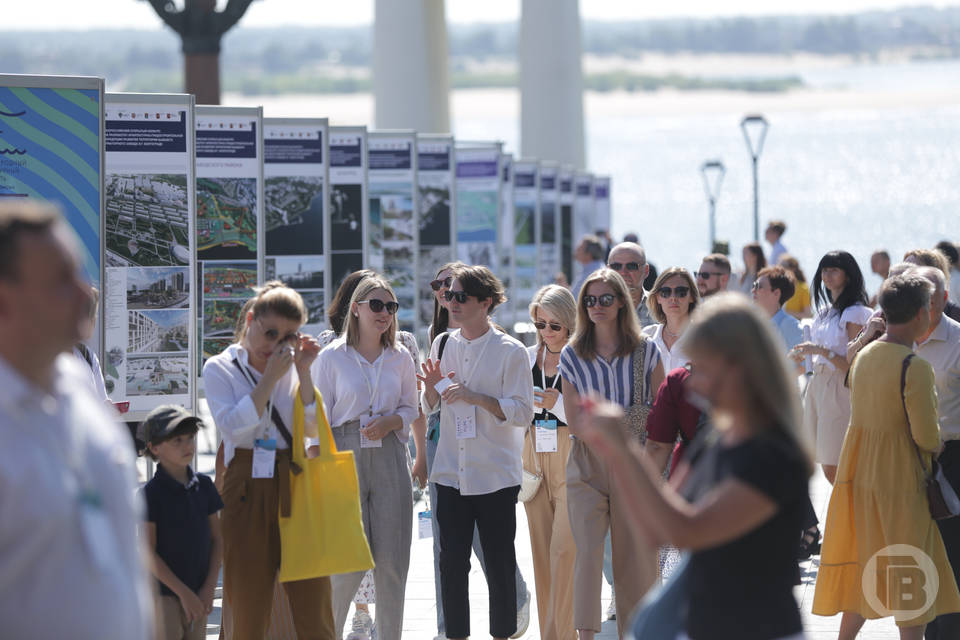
611	379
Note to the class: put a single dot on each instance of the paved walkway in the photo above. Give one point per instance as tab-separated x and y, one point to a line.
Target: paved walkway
420	613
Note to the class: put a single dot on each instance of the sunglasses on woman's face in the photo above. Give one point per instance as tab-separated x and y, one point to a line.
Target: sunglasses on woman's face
676	292
459	296
436	285
540	325
379	305
604	301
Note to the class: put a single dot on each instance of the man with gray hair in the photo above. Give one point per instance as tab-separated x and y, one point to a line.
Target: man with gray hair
630	261
589	253
71	565
940	346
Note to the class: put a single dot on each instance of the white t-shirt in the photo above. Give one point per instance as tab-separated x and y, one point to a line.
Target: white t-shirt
830	329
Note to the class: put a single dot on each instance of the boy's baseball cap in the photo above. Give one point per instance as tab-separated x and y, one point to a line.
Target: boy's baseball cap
162	421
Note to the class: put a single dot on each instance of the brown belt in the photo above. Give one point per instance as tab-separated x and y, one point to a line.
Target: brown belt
281	473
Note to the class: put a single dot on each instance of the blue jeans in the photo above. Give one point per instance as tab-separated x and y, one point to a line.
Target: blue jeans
521	584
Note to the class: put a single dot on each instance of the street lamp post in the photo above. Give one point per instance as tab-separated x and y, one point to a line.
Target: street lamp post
713	172
755	126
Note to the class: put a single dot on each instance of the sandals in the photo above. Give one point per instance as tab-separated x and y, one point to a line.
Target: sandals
809	543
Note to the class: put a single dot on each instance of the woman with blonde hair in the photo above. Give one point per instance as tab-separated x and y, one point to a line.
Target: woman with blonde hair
369	385
608	355
737	499
671	301
250	388
546	448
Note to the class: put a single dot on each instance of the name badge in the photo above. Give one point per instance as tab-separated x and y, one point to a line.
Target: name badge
466	420
365	442
424	524
545	432
264	457
97	532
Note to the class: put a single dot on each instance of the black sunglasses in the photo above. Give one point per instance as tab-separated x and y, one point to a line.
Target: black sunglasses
676	292
459	296
540	325
706	274
629	266
436	285
379	305
605	300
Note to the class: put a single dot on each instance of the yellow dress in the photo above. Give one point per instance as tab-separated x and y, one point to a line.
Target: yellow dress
879	499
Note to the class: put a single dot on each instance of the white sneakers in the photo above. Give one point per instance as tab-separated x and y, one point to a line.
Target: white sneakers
612	609
523	618
362	627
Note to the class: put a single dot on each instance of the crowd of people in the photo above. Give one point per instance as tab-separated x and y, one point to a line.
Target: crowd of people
675	415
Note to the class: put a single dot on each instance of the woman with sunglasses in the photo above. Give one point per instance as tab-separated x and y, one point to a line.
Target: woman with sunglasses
841	300
250	389
546	447
671	301
369	385
606	350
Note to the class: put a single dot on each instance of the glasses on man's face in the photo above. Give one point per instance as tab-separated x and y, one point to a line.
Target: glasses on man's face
379	305
436	285
673	292
706	275
459	296
605	300
273	335
541	325
757	286
626	266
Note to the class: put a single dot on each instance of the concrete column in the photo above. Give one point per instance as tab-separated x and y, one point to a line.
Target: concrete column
411	84
551	82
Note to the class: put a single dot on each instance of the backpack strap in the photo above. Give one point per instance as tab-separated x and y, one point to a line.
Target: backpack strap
442	346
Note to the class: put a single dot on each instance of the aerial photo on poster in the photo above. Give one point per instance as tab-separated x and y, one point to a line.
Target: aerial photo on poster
346	211
147	220
226	218
297	272
294	215
158	287
153	375
229	279
220	319
154	331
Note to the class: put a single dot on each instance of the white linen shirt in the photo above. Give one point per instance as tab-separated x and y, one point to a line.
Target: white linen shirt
942	351
344	378
228	395
829	329
495	365
53	447
672	358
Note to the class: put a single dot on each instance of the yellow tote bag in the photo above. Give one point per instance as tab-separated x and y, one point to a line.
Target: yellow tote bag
324	533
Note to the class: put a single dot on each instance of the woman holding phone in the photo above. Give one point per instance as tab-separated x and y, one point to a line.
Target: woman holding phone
250	389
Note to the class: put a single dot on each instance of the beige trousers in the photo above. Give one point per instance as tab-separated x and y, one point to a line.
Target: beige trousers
551	539
173	623
594	504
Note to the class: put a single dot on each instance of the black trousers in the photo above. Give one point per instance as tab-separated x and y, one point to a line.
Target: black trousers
495	517
947	627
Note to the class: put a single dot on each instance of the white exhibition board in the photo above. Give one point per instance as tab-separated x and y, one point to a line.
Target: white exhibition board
229	221
392	223
437	195
296	201
149	314
582	213
549	222
348	202
478	203
505	234
601	204
565	228
526	223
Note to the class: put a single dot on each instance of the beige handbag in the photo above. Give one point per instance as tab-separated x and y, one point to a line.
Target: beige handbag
637	413
530	482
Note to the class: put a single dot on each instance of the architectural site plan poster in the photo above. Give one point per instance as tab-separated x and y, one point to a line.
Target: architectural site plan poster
526	207
478	203
348	201
435	183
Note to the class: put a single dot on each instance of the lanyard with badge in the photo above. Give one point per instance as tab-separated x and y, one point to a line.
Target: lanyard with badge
366	419
545	429
264	449
465	415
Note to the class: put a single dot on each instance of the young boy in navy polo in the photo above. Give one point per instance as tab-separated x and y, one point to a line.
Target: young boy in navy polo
182	528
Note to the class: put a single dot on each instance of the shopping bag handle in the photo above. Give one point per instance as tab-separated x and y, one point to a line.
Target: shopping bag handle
324	434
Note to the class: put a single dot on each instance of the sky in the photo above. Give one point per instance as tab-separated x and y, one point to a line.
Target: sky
74	15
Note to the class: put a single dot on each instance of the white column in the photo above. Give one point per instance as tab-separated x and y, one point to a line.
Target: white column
551	82
411	84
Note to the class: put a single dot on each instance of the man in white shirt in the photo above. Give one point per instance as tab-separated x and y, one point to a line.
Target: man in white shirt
630	261
941	348
589	254
71	565
484	392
